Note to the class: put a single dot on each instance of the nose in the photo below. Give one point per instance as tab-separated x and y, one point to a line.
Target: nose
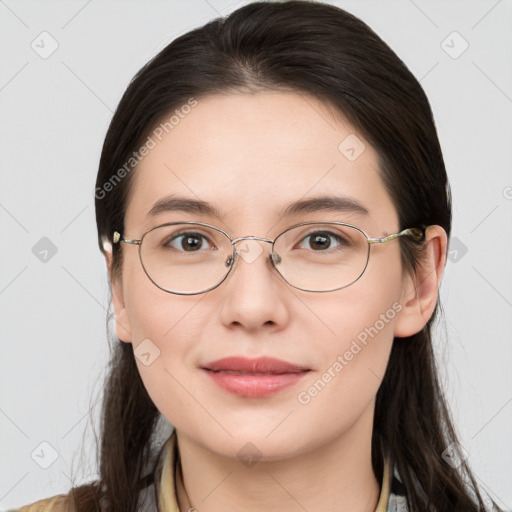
253	291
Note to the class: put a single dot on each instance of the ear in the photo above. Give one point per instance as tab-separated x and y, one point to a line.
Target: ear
421	289
122	324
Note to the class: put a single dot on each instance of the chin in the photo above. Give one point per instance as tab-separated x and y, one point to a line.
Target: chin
252	444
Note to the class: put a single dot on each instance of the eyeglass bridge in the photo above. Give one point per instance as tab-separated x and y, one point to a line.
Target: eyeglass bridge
274	257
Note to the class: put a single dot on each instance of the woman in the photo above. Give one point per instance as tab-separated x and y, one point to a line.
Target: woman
274	211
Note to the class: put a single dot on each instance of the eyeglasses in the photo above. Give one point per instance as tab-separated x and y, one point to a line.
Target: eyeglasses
188	258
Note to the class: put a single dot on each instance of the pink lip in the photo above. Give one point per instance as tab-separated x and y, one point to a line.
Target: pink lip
254	377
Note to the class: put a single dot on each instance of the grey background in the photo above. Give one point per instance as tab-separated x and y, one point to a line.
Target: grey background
54	115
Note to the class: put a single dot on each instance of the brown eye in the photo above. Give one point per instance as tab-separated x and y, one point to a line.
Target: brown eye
322	240
188	242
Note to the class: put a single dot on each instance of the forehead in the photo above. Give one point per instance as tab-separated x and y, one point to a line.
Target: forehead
251	155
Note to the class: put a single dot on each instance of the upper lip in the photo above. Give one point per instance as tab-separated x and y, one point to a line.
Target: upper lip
258	365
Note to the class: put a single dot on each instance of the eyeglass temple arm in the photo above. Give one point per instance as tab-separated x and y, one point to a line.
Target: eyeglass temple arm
118	238
416	233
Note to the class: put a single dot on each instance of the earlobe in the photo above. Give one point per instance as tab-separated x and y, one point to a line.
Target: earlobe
421	289
122	324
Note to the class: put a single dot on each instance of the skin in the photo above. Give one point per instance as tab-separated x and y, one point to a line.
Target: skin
250	155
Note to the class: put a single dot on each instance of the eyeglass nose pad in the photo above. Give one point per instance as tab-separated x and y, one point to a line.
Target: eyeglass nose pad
229	260
276	258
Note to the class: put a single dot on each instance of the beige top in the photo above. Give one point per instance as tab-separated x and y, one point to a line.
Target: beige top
168	501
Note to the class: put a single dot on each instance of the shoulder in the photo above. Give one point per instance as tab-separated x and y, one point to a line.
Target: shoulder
59	503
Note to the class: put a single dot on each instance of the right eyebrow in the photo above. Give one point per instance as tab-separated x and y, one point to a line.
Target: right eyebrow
173	203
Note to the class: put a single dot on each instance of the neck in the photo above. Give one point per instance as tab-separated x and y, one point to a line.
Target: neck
337	475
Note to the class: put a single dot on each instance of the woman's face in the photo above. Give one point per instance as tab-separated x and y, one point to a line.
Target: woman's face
249	156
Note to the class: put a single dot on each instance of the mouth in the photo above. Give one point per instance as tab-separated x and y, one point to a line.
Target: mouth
254	378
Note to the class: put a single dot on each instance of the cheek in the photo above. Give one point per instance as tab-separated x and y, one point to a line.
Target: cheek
166	330
361	329
359	323
354	361
366	308
152	312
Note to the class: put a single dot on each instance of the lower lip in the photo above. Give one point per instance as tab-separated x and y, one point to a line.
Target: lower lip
255	385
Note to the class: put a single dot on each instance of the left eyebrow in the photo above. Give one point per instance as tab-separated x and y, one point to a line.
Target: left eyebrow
338	204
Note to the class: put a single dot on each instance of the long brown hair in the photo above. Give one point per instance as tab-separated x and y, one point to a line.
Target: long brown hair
321	50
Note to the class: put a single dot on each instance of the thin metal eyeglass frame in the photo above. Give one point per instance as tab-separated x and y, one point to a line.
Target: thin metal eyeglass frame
416	233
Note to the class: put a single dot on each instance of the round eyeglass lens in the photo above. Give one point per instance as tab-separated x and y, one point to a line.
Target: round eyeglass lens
321	256
186	258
